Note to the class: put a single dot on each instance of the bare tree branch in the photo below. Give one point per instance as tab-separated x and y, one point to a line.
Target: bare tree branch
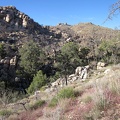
114	10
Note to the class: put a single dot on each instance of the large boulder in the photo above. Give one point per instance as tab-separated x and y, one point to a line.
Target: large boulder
13	61
25	22
82	72
8	17
72	78
100	65
78	71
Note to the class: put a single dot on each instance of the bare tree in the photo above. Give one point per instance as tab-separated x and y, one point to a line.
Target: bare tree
114	10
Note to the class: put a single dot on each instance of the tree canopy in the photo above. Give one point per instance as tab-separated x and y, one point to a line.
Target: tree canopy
32	57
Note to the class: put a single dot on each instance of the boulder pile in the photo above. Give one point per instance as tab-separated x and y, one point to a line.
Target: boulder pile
81	74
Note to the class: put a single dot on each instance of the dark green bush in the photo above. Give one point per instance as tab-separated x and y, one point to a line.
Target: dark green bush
55	77
66	93
53	102
2	50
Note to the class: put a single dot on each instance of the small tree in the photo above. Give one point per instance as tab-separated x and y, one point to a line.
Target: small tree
105	50
68	59
39	80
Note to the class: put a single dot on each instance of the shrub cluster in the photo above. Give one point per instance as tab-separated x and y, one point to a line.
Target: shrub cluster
63	94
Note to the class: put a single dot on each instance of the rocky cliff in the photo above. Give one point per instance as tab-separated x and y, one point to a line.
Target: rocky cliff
14	20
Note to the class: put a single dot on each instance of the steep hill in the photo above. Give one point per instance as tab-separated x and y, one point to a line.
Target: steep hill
89	30
86	33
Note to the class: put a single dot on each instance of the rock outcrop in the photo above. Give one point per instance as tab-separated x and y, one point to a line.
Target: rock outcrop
100	65
81	74
16	19
7	68
17	27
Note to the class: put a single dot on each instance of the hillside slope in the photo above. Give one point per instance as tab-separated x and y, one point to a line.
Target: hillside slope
97	98
16	27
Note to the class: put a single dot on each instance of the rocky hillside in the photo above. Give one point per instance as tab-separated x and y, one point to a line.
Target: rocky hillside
86	34
12	19
17	27
96	98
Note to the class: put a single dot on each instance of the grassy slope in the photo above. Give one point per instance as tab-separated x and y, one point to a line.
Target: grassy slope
98	98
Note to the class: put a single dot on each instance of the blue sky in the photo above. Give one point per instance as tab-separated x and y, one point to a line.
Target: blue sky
52	12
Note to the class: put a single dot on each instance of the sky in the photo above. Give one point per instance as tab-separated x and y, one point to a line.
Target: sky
52	12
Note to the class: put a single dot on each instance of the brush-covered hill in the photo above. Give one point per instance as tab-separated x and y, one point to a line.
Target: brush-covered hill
17	29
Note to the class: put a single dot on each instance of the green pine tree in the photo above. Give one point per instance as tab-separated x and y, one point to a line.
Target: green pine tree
39	80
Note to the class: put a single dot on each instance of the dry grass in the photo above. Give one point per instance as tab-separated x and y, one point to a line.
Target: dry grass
98	95
78	111
31	115
95	100
86	98
106	91
56	113
13	117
